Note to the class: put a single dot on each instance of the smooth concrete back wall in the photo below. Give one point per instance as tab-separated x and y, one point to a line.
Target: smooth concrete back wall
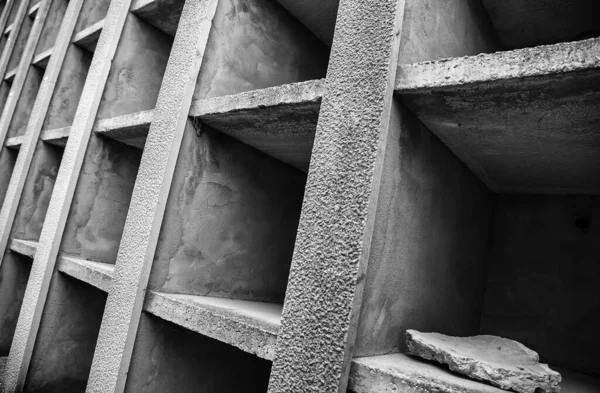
255	44
8	157
68	89
37	191
97	216
230	222
14	273
168	358
20	42
435	29
91	12
65	343
544	276
20	118
430	241
137	69
51	25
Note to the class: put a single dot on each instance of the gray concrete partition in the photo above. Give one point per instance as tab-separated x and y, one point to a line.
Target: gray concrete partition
51	236
140	235
324	294
12	38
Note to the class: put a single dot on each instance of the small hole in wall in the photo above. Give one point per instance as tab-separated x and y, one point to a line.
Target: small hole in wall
582	223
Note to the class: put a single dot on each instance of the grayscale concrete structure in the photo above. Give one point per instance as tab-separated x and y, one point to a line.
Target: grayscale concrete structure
264	195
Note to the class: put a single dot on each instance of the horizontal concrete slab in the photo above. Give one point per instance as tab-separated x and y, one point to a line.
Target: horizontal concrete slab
522	121
10	74
88	37
42	59
279	121
58	136
250	326
14	142
131	129
33	10
23	247
97	274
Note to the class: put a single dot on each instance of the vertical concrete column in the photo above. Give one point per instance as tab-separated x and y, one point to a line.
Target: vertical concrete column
324	293
36	121
52	232
142	227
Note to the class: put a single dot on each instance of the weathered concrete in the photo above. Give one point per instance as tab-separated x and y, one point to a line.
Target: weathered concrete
22	110
41	60
69	86
67	336
249	326
279	121
162	14
137	70
542	287
501	362
97	274
523	121
430	241
57	137
88	37
14	273
92	11
314	347
402	373
131	129
165	352
101	200
255	44
51	26
23	247
230	221
520	24
22	35
36	193
8	157
318	15
434	29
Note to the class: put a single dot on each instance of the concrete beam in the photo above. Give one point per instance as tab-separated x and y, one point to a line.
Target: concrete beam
23	247
97	274
249	326
88	37
131	129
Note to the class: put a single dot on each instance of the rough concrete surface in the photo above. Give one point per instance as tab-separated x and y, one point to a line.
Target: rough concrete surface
8	158
131	129
20	43
51	26
505	363
22	110
163	14
255	44
318	15
97	274
88	37
92	11
279	121
14	273
23	247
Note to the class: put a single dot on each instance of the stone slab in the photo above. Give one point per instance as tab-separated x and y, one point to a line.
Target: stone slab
505	363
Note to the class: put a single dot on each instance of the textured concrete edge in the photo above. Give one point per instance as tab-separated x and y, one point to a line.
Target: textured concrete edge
88	31
536	62
289	94
23	247
125	300
36	119
324	294
86	272
247	334
123	122
52	231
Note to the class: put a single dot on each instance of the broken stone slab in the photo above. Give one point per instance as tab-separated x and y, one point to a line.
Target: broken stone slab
501	362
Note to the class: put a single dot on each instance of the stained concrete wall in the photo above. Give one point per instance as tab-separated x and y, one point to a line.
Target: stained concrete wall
68	89
255	44
20	41
37	192
169	358
91	12
543	280
8	157
434	29
431	235
97	216
14	273
137	69
65	343
230	221
51	25
20	118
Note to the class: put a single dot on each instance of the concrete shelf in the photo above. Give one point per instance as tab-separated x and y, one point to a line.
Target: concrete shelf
34	9
58	136
280	121
42	59
97	274
88	37
505	114
8	29
131	129
10	75
163	14
399	372
249	326
23	247
14	142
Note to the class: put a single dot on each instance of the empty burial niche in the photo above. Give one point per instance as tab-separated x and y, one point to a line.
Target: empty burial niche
137	69
454	256
167	357
64	347
37	191
51	27
230	221
20	117
67	91
254	44
14	273
97	216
